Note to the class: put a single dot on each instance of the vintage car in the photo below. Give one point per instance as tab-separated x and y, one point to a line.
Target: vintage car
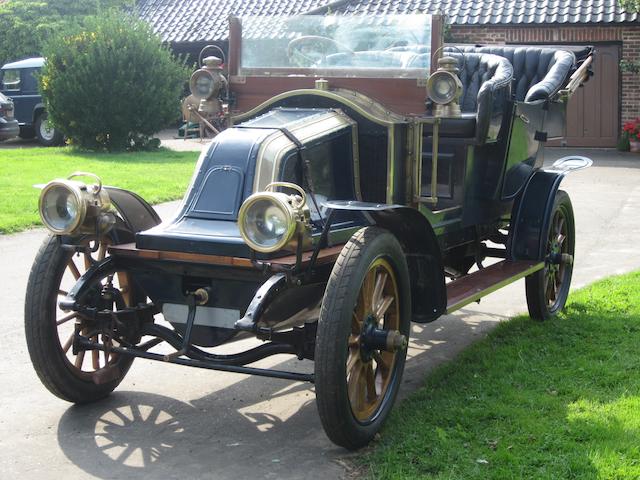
371	178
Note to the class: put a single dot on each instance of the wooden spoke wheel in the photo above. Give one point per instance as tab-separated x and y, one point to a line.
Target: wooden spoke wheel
362	337
548	289
89	375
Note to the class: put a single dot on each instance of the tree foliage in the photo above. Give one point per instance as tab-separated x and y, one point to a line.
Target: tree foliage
630	5
112	84
26	25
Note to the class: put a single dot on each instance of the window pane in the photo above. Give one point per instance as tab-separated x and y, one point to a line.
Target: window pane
11	80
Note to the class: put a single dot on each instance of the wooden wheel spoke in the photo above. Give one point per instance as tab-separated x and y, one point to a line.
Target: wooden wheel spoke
79	359
354	341
381	280
357	387
74	269
382	364
95	355
352	362
102	251
68	343
384	306
356	323
66	318
371	383
559	224
88	261
368	286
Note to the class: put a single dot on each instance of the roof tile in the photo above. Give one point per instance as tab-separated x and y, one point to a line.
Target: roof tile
207	20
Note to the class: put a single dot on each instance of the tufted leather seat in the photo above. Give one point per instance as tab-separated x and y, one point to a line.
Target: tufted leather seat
538	72
486	87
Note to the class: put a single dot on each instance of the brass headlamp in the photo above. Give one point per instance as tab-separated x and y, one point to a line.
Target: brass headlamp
444	88
270	221
69	207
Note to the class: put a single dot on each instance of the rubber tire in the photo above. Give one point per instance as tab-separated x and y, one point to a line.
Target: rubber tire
47	357
534	283
57	139
334	327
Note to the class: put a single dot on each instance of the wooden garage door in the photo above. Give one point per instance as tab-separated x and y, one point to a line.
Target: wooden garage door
593	111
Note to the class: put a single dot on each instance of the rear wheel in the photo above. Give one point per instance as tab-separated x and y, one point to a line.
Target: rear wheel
548	289
89	375
362	335
47	135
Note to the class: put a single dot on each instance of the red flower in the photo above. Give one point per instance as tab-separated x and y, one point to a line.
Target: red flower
638	135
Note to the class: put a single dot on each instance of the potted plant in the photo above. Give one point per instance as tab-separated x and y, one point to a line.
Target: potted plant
631	130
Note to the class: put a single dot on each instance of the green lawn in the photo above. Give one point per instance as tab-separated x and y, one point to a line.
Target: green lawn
157	176
548	400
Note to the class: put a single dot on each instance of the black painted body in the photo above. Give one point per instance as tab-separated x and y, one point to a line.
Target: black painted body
489	183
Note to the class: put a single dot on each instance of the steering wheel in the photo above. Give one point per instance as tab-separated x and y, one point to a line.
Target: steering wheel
297	55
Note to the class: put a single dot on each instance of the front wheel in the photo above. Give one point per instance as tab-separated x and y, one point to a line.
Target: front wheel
548	289
89	375
47	135
362	337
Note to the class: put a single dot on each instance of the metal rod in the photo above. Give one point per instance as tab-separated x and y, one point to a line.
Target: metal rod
186	339
260	372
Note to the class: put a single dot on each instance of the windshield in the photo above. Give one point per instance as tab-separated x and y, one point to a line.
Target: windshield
337	45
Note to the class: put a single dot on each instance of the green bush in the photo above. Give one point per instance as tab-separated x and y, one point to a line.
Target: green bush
112	85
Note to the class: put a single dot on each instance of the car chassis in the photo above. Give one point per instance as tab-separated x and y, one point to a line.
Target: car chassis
395	201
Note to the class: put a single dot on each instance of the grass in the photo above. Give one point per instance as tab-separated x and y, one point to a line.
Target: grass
157	176
553	400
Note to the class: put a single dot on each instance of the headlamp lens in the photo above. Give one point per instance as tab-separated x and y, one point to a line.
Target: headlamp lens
266	224
442	87
202	84
60	209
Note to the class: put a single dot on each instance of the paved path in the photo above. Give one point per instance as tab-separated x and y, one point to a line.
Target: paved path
167	421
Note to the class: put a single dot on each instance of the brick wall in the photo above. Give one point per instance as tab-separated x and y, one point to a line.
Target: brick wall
629	36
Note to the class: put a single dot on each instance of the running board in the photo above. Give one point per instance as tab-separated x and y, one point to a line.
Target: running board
476	285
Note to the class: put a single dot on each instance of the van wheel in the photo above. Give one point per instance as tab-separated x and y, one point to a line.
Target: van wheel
548	289
362	337
47	135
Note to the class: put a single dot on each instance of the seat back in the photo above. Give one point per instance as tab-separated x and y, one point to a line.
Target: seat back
538	72
475	70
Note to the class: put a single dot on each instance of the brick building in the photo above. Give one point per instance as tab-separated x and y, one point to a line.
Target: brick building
596	112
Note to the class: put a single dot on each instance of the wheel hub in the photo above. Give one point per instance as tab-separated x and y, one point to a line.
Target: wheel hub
373	338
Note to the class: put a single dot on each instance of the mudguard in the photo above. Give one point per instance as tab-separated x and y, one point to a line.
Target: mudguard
137	214
532	210
419	242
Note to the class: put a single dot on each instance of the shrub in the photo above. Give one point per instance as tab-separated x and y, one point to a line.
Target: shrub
111	85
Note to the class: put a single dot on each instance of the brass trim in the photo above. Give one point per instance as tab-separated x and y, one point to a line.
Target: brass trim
340	95
390	164
433	197
356	159
417	182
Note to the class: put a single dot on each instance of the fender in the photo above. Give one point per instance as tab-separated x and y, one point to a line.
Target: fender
37	110
532	210
419	242
136	213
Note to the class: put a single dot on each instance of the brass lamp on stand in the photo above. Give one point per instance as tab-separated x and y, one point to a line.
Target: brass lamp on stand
444	88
